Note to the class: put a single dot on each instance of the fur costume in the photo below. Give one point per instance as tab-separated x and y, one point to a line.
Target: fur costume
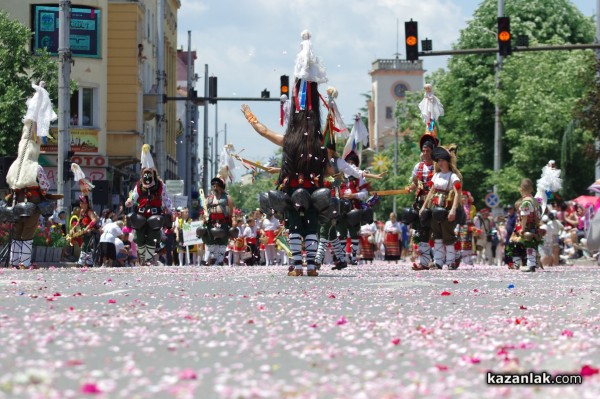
26	178
150	200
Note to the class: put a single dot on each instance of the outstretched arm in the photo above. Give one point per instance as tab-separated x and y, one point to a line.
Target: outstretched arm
261	129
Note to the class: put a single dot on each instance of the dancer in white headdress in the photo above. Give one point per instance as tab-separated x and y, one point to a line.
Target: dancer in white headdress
152	208
26	178
431	110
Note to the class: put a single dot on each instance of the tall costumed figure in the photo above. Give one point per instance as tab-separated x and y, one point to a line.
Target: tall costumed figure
152	208
27	181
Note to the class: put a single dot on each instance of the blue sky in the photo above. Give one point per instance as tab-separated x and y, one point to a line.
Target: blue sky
249	44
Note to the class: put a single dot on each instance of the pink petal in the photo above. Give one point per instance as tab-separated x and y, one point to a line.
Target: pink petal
341	321
112	301
396	341
587	371
90	388
187	374
567	333
446	293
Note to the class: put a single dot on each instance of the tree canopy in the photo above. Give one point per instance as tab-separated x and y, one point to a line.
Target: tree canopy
18	69
540	98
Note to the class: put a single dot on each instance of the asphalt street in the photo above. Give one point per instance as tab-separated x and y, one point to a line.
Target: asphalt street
376	331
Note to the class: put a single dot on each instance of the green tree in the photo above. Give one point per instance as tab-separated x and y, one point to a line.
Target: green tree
245	197
539	93
18	69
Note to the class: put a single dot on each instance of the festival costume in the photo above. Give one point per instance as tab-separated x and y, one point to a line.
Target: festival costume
218	224
527	236
422	175
466	229
485	228
391	240
440	200
366	242
431	109
150	200
304	159
27	180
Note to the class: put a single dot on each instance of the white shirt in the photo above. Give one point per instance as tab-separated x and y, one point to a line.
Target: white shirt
347	169
250	232
119	246
111	231
270	224
391	227
444	181
368	229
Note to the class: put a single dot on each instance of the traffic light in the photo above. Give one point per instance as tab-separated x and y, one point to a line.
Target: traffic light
212	89
67	173
504	37
285	85
411	30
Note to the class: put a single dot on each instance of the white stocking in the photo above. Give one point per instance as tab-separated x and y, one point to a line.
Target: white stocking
438	252
15	252
425	253
450	255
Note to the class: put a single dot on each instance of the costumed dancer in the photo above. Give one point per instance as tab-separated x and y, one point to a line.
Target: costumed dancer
347	182
27	180
304	157
421	177
367	242
391	239
465	230
87	218
151	201
548	185
220	208
431	109
443	201
527	236
270	227
355	188
220	211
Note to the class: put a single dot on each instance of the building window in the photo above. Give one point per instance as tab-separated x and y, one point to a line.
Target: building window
388	113
82	107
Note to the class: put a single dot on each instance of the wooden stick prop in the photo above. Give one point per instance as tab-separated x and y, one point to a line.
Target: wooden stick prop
244	160
389	192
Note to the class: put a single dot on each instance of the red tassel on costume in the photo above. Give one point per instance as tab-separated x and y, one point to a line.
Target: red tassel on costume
308	96
430	183
457	245
431	243
457	185
281	113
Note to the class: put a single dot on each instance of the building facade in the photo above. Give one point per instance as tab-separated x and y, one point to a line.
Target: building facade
390	80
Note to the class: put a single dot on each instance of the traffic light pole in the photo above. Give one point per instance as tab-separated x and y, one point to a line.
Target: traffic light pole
514	49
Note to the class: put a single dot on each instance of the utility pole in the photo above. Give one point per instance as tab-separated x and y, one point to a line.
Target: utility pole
498	111
64	103
216	153
597	174
205	169
161	157
188	123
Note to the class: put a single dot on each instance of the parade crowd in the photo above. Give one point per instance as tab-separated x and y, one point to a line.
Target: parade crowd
320	211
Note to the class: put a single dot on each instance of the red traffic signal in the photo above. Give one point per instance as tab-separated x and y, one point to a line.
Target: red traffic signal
411	31
504	45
